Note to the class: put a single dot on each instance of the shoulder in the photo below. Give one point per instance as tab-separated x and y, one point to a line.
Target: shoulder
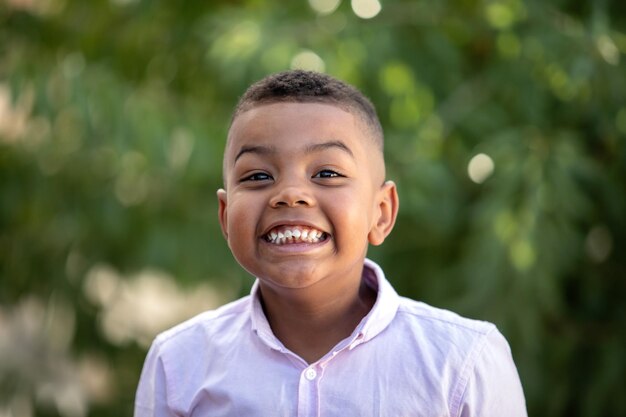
472	355
425	316
180	357
441	338
209	325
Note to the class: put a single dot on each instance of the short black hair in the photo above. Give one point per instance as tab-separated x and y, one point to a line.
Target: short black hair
300	86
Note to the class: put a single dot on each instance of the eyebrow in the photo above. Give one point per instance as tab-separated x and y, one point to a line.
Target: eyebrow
328	145
268	150
257	149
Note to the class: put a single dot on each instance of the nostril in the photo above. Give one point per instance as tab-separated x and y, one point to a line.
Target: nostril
291	197
290	204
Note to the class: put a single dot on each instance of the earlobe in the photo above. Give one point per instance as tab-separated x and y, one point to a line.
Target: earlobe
222	211
388	205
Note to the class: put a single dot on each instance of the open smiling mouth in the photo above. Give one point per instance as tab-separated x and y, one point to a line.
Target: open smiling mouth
284	235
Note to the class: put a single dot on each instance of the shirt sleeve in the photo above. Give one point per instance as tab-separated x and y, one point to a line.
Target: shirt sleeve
151	397
493	387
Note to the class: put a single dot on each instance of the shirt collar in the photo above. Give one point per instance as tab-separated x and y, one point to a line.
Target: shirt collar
386	305
379	317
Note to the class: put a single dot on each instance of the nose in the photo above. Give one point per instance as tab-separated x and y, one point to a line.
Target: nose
291	196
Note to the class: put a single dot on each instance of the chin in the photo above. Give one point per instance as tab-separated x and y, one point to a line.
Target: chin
298	276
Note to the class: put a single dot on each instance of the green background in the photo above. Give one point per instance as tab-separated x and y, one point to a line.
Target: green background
113	116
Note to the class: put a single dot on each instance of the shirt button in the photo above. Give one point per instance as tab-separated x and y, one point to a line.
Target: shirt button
310	374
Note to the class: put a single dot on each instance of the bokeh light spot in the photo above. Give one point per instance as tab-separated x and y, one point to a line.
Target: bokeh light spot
96	378
404	112
132	184
180	148
505	226
560	82
101	284
430	137
599	244
522	255
508	45
238	42
480	168
308	60
397	79
366	9
500	16
13	115
277	57
324	7
608	50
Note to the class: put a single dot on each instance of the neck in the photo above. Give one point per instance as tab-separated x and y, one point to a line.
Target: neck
310	322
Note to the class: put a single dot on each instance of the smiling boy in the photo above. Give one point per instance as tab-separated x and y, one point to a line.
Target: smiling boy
323	333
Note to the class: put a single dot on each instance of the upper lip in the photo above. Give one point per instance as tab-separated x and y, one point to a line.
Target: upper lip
291	223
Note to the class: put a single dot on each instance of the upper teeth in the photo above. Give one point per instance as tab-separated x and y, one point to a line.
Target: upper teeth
297	234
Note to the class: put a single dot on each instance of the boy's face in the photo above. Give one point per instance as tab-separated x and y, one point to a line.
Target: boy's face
304	194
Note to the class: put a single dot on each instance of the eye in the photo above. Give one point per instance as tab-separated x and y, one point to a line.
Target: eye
327	173
257	176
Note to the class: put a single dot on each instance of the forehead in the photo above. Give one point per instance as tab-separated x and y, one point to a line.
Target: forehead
289	125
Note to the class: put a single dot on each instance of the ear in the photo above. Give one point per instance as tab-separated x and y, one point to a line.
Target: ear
388	203
222	211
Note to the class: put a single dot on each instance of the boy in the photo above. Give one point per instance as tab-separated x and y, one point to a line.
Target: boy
323	333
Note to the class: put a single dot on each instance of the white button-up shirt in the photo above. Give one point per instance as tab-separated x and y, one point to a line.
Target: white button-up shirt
405	358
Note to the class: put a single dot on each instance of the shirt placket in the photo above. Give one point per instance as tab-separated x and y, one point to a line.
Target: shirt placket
310	378
308	392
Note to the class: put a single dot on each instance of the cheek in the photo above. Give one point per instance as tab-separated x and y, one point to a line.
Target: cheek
240	218
244	218
352	216
241	238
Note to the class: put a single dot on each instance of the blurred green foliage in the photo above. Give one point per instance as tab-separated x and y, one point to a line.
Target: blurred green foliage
505	130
